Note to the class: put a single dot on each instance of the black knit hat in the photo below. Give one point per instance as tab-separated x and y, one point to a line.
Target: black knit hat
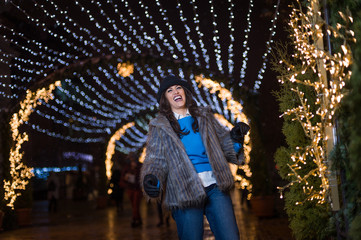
169	81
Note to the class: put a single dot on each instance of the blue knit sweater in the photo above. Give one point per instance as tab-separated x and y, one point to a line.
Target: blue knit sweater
194	146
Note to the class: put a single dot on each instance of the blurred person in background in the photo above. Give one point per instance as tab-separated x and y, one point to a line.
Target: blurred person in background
131	178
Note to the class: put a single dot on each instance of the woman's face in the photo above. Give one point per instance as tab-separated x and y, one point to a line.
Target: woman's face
176	97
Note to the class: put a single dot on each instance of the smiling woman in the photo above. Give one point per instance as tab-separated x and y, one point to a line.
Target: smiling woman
187	158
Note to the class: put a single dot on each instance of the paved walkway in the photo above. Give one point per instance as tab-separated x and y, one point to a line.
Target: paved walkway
80	220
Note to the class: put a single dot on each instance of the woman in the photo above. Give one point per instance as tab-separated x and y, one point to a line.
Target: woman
187	157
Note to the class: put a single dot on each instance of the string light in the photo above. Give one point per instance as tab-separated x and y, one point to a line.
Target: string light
187	33
125	69
307	28
245	44
178	45
111	146
272	29
217	46
79	41
19	172
231	29
200	34
98	99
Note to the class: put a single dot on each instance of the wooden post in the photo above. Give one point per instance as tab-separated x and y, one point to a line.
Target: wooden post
329	130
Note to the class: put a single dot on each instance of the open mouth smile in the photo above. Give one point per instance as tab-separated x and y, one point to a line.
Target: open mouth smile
177	98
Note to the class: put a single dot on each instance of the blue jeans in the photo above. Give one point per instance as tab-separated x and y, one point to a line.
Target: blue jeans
219	212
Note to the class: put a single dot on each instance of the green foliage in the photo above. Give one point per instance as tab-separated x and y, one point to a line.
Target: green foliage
282	157
347	161
354	101
308	220
347	155
355	228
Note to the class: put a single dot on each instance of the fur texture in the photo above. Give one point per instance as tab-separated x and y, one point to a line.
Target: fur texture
167	159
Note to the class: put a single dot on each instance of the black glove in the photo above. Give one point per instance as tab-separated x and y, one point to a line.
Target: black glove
239	131
150	184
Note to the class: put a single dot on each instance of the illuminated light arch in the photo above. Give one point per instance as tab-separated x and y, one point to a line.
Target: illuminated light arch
19	172
111	147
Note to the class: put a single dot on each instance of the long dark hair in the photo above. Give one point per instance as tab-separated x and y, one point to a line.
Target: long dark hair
191	104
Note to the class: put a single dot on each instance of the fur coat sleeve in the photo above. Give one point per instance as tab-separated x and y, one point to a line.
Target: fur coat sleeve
155	162
225	140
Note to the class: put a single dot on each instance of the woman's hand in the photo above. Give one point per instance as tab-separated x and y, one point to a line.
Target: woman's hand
151	185
239	131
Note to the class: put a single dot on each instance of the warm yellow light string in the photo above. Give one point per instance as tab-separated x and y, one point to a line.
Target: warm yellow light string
111	148
306	31
236	109
19	172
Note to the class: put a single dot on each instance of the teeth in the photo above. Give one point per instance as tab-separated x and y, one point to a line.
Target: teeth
177	97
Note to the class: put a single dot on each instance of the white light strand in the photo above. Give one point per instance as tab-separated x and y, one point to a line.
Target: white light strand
178	45
148	39
187	33
62	38
231	44
89	121
79	116
158	30
78	37
200	34
45	53
272	29
89	37
246	48
217	46
103	29
67	138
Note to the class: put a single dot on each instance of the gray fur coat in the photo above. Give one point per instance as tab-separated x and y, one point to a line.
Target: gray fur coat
167	159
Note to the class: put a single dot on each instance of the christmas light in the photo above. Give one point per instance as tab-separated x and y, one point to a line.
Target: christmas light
125	69
98	97
307	29
245	43
111	146
269	47
19	172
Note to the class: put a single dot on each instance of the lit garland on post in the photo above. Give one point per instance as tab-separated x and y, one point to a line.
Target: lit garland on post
111	147
235	108
307	30
19	172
